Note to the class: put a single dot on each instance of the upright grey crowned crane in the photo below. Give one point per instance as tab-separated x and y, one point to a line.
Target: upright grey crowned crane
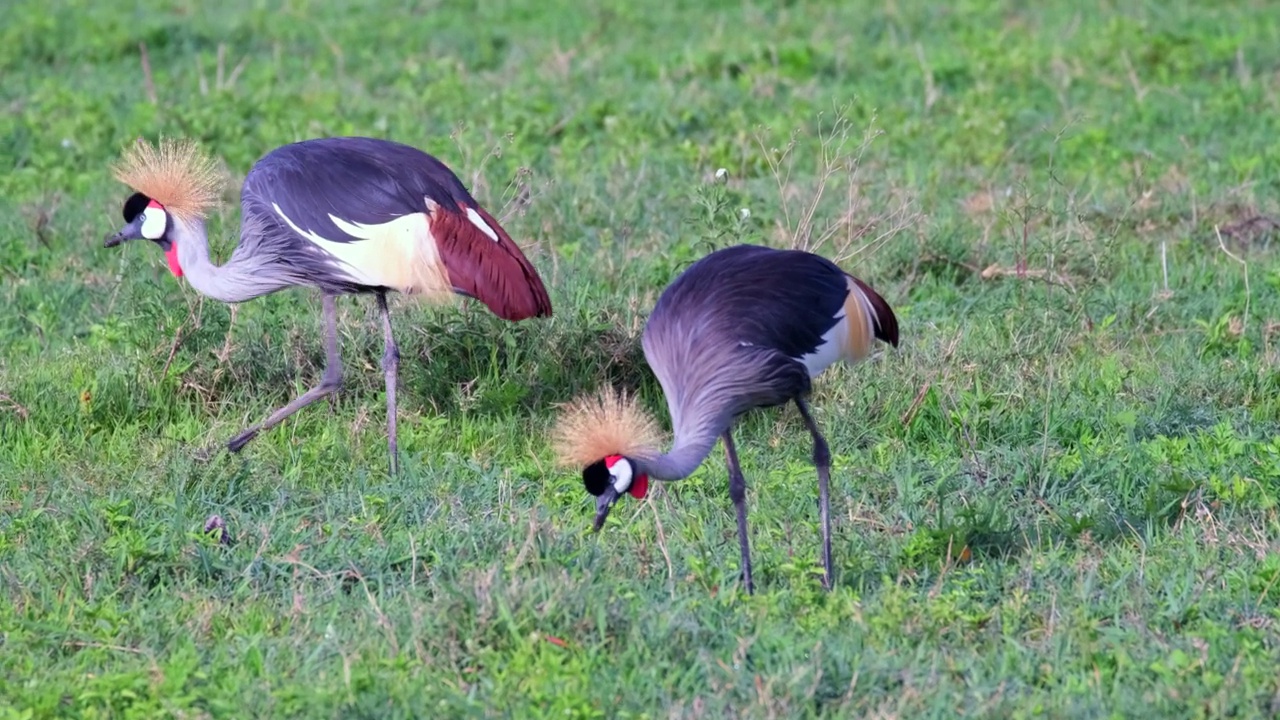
744	327
343	215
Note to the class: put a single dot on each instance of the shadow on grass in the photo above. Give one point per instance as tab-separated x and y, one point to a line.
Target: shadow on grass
451	362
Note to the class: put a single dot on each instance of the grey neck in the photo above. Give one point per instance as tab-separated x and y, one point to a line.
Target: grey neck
683	459
243	277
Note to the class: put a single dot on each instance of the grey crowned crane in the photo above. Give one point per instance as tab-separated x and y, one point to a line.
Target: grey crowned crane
744	327
342	215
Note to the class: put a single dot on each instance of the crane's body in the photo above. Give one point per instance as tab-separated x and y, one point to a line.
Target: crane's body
742	328
341	215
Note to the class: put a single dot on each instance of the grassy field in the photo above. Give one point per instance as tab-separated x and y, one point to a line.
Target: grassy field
1057	498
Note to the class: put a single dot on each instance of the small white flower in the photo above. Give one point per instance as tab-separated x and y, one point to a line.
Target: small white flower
744	213
721	174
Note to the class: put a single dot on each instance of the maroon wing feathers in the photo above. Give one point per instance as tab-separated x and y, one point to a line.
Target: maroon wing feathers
495	273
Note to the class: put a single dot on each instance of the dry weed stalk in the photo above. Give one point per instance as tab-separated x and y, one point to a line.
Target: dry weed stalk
1248	295
857	229
520	192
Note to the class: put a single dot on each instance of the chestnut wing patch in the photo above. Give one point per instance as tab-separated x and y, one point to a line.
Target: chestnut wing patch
483	262
338	189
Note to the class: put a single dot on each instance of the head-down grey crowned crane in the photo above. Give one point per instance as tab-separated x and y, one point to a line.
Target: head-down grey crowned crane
744	327
342	215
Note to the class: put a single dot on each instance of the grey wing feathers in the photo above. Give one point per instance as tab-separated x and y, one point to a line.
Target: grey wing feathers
781	299
359	180
726	335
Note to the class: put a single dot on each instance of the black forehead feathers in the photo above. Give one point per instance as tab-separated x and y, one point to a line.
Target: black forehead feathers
596	477
134	206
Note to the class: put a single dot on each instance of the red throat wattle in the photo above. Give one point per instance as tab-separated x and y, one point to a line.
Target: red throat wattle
172	256
639	483
172	253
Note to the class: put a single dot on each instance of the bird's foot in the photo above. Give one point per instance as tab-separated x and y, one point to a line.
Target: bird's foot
238	442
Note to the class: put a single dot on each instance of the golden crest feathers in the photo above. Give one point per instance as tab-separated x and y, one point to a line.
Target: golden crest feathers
600	424
175	174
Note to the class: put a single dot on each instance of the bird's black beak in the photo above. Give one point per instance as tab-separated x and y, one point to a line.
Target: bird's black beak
603	504
132	231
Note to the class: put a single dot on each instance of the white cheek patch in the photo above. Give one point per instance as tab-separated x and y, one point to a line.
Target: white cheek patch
153	223
621	472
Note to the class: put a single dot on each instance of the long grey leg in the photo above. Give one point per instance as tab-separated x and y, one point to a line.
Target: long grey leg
738	493
822	461
330	381
390	366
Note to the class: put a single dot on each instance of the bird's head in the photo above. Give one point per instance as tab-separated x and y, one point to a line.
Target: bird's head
607	435
609	479
146	219
173	182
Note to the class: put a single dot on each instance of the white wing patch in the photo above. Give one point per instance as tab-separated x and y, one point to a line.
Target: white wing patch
308	235
849	339
830	349
399	254
479	222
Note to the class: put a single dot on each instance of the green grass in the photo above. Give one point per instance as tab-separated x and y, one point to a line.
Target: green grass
1058	498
